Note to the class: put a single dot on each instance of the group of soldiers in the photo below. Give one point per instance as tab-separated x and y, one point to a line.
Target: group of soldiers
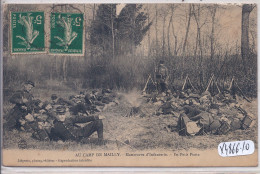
57	119
217	115
77	118
199	114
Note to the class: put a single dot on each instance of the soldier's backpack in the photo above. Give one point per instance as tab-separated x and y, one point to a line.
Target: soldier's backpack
205	121
192	128
214	126
192	112
246	122
186	127
167	108
235	124
183	119
223	129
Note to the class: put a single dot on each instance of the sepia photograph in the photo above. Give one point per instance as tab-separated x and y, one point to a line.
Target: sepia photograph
144	85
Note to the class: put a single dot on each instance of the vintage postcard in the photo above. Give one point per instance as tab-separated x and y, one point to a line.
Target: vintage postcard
143	85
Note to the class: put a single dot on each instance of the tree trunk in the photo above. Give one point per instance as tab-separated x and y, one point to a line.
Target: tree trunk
134	35
187	31
185	40
156	31
168	33
163	37
113	34
149	33
196	46
175	41
198	41
200	58
246	10
212	37
175	45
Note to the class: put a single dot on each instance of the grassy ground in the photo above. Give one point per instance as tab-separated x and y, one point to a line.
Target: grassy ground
135	132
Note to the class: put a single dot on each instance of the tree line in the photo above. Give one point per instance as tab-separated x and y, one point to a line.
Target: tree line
122	47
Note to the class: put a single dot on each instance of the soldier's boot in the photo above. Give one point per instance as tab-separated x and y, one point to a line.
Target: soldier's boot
100	133
101	142
100	129
92	127
43	135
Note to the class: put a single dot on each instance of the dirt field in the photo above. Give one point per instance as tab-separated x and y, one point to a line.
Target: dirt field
135	132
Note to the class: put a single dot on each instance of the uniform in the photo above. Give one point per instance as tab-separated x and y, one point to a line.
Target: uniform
36	124
162	77
68	128
23	101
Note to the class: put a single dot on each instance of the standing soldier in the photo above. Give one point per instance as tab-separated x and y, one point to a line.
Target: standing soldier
162	77
23	101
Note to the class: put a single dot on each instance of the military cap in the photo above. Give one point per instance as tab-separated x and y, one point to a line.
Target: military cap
161	62
94	91
37	102
61	101
54	96
61	109
71	97
45	104
29	83
226	91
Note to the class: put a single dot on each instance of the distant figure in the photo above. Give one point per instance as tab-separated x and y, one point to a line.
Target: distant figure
23	105
162	76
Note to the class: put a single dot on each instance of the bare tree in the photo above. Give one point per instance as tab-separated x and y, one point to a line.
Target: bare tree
170	24
149	32
112	30
87	29
187	30
213	10
156	30
197	13
246	10
164	16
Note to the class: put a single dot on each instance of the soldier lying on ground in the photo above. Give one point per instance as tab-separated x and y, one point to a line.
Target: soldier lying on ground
195	120
66	126
60	101
24	104
38	123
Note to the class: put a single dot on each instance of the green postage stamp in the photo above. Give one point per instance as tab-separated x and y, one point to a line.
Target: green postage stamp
67	32
27	32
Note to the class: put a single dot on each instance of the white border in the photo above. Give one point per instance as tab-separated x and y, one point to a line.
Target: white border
124	1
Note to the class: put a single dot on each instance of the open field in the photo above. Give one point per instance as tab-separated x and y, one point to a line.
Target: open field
122	131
